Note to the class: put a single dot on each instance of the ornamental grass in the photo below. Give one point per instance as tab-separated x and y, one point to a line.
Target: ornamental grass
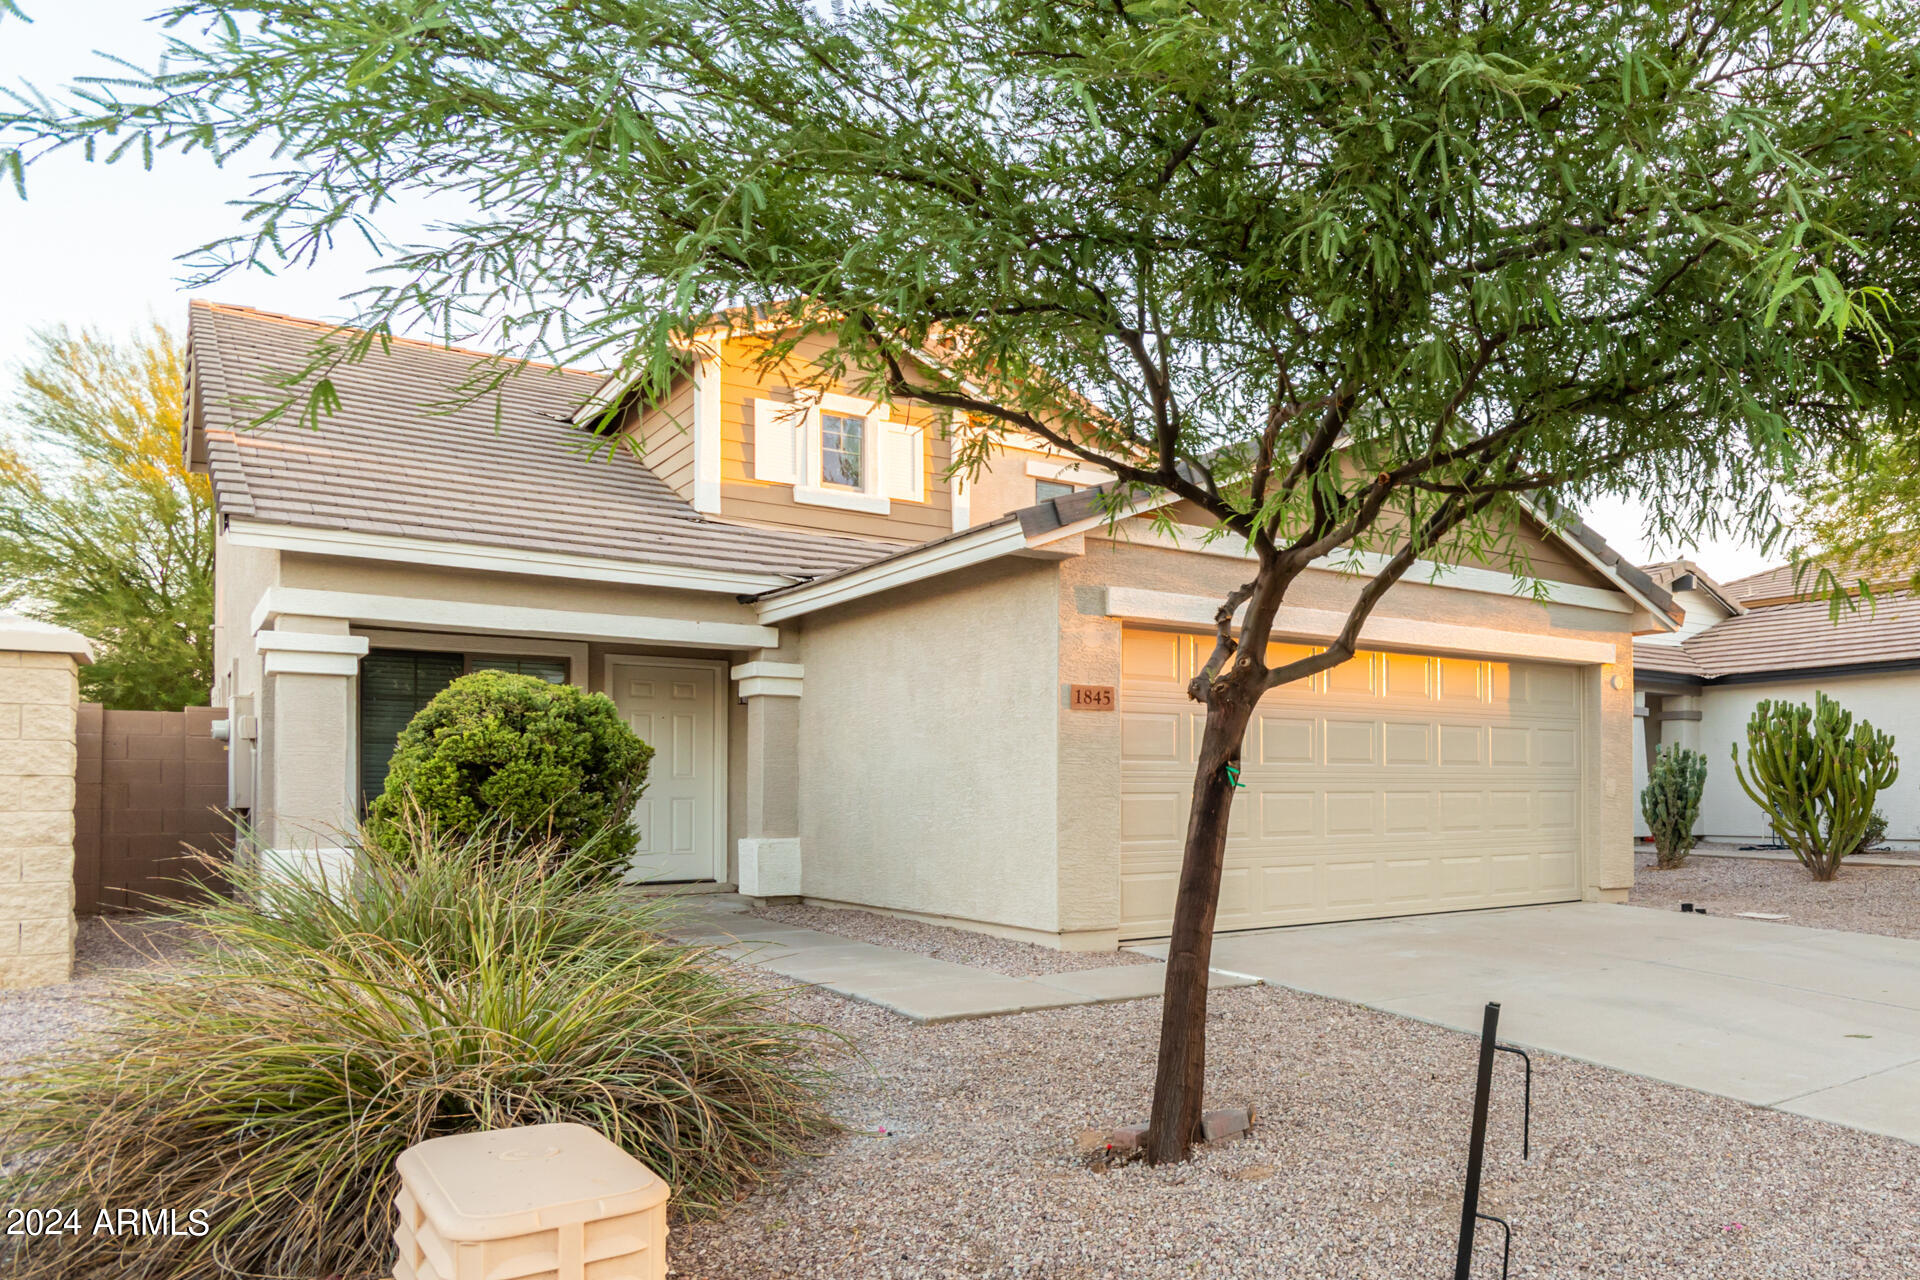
319	1028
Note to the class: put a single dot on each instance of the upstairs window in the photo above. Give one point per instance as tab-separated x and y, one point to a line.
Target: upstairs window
843	449
1047	490
836	451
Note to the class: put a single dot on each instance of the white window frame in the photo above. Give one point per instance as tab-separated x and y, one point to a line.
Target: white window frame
813	490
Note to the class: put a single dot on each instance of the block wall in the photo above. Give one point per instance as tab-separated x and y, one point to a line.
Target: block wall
39	709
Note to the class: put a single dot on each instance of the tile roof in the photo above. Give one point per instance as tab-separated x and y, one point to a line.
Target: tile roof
1797	636
392	461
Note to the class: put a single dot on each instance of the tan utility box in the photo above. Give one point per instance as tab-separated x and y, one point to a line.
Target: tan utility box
546	1202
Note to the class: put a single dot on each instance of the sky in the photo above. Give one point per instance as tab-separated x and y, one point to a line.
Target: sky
98	245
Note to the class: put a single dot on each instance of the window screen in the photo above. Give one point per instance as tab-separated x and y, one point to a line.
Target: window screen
394	685
1047	490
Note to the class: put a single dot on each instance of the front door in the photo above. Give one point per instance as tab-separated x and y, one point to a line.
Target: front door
675	708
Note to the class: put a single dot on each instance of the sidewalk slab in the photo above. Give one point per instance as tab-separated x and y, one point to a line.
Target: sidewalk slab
919	988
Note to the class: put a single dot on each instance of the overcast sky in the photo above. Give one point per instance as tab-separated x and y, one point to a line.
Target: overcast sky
98	245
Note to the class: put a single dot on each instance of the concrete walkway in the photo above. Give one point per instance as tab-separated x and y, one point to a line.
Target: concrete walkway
1818	1022
918	987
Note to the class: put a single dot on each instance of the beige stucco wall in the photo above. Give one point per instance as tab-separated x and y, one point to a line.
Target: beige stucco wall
39	709
1890	701
928	762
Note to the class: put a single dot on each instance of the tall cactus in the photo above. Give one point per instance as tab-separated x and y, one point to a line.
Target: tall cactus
1671	802
1815	775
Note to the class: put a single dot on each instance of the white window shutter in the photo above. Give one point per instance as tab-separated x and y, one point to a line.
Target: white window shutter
779	431
902	459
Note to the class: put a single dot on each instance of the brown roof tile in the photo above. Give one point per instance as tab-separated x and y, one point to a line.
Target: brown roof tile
1799	636
393	460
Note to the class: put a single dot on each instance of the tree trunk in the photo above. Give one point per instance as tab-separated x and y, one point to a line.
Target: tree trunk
1180	1079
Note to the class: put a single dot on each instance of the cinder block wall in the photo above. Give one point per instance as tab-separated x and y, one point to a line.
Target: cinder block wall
39	709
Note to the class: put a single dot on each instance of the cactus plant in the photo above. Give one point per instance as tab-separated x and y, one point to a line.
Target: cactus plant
1671	802
1815	774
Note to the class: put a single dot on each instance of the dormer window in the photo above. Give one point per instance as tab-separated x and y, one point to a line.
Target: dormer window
837	451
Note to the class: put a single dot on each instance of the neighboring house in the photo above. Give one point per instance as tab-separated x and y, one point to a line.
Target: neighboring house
1763	637
860	676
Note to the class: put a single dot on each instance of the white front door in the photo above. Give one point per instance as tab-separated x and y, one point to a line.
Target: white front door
675	707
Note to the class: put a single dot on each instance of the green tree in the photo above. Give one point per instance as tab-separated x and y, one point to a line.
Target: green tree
1346	277
1859	525
102	527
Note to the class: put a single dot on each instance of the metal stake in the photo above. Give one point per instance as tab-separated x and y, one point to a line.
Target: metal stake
1477	1144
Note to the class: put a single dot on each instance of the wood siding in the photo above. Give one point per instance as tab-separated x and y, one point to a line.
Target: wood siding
666	438
744	498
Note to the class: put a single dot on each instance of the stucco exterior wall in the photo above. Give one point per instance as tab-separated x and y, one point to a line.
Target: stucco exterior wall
928	758
1890	701
39	712
532	591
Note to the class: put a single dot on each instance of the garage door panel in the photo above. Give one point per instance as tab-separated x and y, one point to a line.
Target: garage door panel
1146	900
1351	813
1398	784
1154	815
1351	883
1509	810
1408	881
1152	657
1556	748
1355	675
1511	872
1559	810
1404	743
1289	891
1405	813
1150	737
1286	815
1462	879
1236	900
1508	745
1287	739
1463	811
1408	678
1352	741
1460	745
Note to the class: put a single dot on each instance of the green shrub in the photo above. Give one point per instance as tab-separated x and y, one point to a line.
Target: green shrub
522	759
275	1080
1815	775
1876	832
1671	802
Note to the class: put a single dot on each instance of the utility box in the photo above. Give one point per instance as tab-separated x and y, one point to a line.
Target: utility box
544	1202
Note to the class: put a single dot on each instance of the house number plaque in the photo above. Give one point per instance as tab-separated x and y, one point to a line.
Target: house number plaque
1090	697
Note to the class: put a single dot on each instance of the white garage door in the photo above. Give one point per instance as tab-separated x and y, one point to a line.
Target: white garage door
1391	785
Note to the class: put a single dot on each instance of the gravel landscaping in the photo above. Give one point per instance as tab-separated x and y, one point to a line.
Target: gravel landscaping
1864	899
39	1019
961	1156
961	1161
957	946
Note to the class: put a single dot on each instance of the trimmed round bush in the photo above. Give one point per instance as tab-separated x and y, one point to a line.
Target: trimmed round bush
520	759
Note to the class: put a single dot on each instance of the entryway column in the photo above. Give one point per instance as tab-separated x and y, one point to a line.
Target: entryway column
309	742
769	848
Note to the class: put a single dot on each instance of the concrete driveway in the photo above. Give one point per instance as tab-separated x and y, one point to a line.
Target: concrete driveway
1813	1021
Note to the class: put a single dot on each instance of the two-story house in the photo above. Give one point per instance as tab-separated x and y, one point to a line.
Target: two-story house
870	681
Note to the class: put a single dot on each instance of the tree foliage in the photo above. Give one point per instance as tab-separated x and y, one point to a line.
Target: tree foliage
1346	277
102	528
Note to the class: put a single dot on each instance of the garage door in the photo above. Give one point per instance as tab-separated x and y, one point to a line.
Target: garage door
1391	785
